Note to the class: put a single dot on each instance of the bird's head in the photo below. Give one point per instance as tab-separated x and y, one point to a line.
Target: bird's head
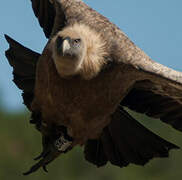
69	52
70	47
78	50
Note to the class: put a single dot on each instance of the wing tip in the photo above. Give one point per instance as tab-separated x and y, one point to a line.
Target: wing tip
8	38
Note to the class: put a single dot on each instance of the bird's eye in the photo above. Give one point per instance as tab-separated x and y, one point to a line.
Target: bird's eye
77	41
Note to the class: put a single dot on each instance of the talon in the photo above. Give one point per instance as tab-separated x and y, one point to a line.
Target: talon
46	159
38	157
51	149
45	168
42	155
35	167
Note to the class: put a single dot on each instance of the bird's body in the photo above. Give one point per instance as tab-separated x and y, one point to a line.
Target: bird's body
85	106
87	72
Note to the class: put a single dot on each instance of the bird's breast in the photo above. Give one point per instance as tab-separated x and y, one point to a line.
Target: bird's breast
84	106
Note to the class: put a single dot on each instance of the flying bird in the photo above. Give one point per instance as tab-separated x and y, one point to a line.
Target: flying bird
78	87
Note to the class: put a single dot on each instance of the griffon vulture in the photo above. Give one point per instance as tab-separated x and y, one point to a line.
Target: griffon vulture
77	88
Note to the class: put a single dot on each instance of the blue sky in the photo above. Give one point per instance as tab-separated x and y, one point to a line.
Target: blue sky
155	26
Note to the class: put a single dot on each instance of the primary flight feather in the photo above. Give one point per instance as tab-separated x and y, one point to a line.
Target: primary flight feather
77	88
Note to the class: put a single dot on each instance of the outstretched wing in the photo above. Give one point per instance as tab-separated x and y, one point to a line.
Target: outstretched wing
53	15
158	94
23	61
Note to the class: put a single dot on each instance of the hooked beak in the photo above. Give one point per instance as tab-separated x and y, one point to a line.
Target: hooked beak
65	46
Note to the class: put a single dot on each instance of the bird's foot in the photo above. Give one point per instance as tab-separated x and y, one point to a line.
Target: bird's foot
51	150
62	144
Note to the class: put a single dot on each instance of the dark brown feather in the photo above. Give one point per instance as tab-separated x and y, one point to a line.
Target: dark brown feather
157	101
94	152
23	61
127	141
45	12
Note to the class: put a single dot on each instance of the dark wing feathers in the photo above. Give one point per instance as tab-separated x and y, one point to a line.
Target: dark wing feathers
21	55
156	100
126	141
133	143
94	152
23	61
45	12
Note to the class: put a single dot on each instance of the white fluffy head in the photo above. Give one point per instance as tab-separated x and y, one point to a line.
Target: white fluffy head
91	55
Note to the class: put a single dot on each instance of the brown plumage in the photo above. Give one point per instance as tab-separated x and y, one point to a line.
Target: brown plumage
87	72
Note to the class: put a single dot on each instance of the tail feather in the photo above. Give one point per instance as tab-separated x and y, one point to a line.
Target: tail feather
126	141
132	142
111	150
94	152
